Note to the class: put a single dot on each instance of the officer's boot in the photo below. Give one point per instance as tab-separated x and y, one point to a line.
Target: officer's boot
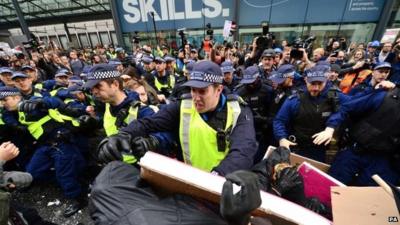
75	205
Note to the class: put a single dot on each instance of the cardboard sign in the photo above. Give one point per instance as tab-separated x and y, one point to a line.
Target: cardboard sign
317	183
363	206
178	177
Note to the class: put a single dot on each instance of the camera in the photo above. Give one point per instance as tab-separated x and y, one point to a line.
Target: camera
265	40
181	33
210	32
298	44
136	38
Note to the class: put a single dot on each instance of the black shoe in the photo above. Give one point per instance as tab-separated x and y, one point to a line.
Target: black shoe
74	207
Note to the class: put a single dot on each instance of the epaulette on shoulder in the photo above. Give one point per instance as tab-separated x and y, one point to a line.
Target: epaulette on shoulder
185	96
295	94
233	97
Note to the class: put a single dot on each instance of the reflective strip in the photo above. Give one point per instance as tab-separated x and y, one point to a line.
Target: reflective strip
186	116
35	127
235	112
110	120
154	108
170	84
61	118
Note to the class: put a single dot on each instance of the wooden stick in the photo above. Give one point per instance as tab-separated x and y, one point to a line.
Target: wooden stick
383	184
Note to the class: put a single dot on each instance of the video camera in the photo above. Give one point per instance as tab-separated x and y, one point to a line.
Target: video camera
136	38
210	32
298	44
265	40
181	32
33	44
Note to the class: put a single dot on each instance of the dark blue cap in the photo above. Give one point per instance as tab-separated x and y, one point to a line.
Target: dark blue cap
18	75
5	70
169	58
100	72
85	71
75	80
189	66
63	70
283	72
159	59
375	43
26	67
114	62
250	75
75	89
382	65
317	73
227	67
147	59
119	49
8	91
204	74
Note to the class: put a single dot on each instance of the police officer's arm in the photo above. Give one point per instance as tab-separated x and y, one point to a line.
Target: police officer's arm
167	119
358	105
282	120
165	139
243	145
325	136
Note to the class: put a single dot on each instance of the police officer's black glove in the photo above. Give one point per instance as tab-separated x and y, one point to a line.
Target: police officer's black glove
315	205
31	105
288	181
111	148
87	122
236	208
140	145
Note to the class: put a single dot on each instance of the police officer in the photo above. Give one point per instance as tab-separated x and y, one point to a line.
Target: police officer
5	77
302	117
230	80
160	79
24	84
258	96
267	63
380	73
55	148
121	108
374	137
206	114
147	65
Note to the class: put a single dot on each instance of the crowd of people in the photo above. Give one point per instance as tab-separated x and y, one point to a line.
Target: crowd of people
69	114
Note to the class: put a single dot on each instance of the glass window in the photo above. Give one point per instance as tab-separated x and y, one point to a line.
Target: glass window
84	40
64	41
114	38
94	39
104	38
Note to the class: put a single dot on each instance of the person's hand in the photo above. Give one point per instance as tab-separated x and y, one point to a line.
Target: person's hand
161	98
16	179
358	65
323	137
87	122
140	145
90	111
110	148
286	143
31	105
8	151
385	85
288	180
255	43
236	208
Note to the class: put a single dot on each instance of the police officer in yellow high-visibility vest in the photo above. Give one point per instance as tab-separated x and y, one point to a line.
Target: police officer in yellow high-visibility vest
161	79
55	148
215	131
121	107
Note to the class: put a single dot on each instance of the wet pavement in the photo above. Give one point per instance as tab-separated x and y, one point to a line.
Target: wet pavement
50	203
